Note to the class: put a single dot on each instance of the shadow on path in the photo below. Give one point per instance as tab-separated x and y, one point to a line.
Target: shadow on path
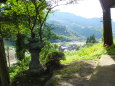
24	79
104	74
74	74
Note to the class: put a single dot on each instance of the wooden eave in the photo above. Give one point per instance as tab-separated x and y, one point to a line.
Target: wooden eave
107	4
2	1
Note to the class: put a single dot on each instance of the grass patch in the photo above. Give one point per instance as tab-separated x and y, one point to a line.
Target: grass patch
92	52
86	53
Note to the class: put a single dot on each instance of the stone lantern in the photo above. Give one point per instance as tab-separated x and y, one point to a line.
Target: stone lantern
35	47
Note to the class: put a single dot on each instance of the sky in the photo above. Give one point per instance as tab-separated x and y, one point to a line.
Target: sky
86	8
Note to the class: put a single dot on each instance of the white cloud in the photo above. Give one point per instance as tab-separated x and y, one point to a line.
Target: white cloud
113	14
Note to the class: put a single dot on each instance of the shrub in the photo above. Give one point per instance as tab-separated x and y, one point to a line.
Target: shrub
47	49
50	56
53	60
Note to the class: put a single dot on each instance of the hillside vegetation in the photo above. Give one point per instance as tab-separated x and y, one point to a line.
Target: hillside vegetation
64	33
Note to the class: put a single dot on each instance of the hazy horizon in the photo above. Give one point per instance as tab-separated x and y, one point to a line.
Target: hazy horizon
86	8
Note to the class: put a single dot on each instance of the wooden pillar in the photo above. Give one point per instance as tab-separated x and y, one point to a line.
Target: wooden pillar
108	38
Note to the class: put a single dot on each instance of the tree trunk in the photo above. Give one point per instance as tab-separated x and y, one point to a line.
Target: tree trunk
3	66
20	47
108	38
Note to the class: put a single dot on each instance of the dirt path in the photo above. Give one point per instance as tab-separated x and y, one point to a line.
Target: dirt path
76	73
104	74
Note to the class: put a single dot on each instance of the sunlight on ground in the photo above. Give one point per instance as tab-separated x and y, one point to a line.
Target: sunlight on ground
107	60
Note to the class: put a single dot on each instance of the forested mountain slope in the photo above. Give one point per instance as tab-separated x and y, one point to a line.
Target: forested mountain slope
83	27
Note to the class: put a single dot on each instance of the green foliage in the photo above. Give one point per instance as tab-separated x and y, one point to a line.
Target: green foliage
16	22
19	67
24	15
91	39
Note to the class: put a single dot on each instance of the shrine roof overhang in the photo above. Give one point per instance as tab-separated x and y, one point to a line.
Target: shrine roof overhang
107	4
2	1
